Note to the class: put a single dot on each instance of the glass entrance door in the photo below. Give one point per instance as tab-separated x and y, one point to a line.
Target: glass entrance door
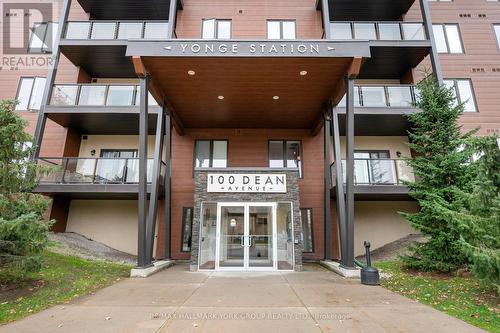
246	236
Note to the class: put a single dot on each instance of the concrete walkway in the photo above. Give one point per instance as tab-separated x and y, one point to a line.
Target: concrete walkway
177	300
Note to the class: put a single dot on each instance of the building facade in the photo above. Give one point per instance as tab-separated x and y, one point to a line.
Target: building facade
240	135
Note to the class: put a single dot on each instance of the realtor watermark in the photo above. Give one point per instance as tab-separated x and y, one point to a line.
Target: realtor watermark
250	316
28	35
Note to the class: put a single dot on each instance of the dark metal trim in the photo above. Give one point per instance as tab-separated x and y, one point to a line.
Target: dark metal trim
184	209
348	260
426	16
167	186
312	228
326	185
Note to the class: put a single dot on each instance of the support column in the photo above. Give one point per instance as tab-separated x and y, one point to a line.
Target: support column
426	16
143	260
155	184
326	18
167	185
339	177
348	260
51	77
327	185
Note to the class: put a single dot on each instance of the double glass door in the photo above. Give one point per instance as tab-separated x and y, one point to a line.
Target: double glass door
246	236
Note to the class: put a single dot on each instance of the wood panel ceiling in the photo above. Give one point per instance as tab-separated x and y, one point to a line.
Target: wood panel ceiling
248	86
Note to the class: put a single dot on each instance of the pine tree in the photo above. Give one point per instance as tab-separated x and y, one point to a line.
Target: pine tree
442	176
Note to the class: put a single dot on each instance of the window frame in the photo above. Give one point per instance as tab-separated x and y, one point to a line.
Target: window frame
312	228
457	92
284	141
446	39
21	78
281	28
107	150
216	28
211	153
184	210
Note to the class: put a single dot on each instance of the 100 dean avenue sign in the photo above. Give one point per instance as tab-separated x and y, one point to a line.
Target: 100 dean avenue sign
246	183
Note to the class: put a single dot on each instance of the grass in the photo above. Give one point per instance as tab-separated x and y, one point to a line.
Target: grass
462	296
62	279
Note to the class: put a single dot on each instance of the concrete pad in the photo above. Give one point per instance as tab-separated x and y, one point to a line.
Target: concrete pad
145	272
344	272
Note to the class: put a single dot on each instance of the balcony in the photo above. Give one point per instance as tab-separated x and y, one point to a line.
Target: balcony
94	177
378	31
91	108
380	110
377	179
99	47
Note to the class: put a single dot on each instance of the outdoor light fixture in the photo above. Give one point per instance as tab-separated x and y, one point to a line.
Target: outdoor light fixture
398	154
220	97
303	73
191	72
92	152
276	97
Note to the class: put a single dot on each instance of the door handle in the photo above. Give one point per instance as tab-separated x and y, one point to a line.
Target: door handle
242	242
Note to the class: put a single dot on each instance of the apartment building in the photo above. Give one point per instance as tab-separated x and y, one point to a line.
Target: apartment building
243	135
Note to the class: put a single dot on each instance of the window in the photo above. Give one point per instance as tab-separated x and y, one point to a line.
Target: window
281	29
216	29
496	29
210	154
285	154
30	93
464	93
447	38
307	230
187	223
43	37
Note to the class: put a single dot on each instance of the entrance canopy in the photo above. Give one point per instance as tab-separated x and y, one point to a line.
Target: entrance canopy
244	84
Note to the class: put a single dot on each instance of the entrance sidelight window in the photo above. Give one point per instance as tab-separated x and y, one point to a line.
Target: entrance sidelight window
187	223
210	154
285	154
307	232
281	29
216	29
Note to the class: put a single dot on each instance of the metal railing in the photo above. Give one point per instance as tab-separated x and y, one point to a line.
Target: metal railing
383	96
102	170
97	95
376	172
116	30
386	31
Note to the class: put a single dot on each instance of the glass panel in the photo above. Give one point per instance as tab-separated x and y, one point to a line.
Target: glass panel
466	95
224	29
187	222
405	172
103	30
92	95
55	176
110	171
151	100
77	30
37	93
413	31
208	228
232	229
399	96
64	95
284	235
307	233
130	30
120	95
439	38
273	30
156	30
79	170
450	84
37	37
356	98
454	41
50	37
373	96
497	33
288	30
341	30
381	172
260	236
208	30
202	154
24	93
219	159
276	154
389	31
293	158
365	31
361	173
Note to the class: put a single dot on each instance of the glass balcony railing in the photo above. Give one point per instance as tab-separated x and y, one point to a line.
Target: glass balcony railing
385	31
116	30
97	95
383	96
377	172
77	170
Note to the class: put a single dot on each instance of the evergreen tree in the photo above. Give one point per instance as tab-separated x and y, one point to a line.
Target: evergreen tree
23	232
442	175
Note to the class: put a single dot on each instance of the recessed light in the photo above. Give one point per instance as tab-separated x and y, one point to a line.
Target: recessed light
191	72
220	97
303	73
276	97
